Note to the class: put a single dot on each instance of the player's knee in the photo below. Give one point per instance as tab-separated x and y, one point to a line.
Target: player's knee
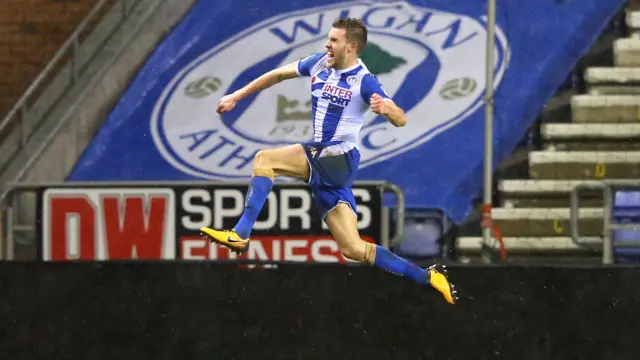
263	160
360	251
352	253
262	165
260	160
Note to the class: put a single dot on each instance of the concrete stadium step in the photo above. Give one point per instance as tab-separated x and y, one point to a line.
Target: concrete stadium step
605	108
547	193
633	21
546	222
613	80
584	137
626	52
550	193
525	244
584	165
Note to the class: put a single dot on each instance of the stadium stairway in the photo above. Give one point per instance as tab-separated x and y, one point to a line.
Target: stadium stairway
62	121
57	137
602	142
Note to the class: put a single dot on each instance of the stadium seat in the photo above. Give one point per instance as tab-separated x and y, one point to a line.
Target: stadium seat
626	210
421	238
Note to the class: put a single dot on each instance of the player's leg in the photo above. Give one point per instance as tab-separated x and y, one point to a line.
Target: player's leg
342	223
288	161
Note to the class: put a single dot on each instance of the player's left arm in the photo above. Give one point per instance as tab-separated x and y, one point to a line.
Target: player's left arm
387	108
380	102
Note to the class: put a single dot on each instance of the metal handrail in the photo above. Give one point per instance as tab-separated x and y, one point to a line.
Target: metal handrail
400	209
70	43
575	210
605	241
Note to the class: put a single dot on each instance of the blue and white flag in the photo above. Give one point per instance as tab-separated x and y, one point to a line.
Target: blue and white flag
429	55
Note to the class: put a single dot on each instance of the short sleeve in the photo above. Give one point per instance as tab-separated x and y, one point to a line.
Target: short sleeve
371	85
310	64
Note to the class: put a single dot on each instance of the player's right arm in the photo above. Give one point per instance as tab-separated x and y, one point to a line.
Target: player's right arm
265	81
302	67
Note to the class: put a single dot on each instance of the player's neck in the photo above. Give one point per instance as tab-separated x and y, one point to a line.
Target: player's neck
347	64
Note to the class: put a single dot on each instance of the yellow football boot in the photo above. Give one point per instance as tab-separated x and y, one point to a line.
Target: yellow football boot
439	281
228	238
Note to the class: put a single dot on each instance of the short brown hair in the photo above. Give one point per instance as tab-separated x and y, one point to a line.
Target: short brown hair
356	31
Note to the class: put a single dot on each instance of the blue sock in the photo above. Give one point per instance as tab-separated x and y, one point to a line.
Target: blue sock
392	263
258	191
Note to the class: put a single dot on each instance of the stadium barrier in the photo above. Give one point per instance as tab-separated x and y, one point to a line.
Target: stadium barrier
162	220
190	310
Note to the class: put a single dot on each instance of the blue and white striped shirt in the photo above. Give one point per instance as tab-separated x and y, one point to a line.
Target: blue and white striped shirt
339	99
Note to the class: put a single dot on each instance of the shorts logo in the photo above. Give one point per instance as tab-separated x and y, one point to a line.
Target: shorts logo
415	52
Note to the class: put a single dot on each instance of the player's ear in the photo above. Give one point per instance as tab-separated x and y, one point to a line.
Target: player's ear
353	47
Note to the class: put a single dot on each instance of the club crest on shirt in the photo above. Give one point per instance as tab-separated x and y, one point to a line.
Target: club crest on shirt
414	52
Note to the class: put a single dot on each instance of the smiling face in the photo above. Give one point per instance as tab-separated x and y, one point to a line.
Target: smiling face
342	53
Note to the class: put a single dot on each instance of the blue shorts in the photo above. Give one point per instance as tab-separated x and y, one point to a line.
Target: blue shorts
332	172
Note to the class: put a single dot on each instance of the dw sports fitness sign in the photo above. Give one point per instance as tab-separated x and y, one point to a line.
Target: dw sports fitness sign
154	223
